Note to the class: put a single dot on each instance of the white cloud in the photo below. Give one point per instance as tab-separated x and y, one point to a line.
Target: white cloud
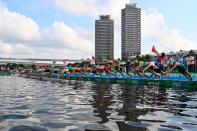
21	36
23	49
152	23
91	7
5	48
79	7
15	27
164	38
61	35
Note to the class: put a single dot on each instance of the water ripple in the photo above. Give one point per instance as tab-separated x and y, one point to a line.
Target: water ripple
59	105
27	128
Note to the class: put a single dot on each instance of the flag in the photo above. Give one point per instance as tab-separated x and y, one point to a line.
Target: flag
93	58
154	50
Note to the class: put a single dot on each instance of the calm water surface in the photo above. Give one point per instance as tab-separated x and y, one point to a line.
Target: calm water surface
32	105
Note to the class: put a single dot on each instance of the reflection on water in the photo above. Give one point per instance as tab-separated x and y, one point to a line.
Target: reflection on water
32	105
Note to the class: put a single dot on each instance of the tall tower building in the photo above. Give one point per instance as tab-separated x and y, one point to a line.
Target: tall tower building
104	38
130	31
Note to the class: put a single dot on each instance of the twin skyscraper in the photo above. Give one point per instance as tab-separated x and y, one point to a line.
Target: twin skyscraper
130	34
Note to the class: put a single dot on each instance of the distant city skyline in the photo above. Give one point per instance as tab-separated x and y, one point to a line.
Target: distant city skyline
65	28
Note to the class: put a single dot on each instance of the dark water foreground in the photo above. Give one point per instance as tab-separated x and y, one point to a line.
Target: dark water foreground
32	105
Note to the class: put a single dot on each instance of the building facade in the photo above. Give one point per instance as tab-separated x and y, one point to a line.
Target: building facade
104	38
130	31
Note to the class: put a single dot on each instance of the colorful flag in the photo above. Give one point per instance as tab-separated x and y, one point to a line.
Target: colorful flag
154	50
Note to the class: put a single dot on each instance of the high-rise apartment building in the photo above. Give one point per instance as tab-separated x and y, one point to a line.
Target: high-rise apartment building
104	38
130	31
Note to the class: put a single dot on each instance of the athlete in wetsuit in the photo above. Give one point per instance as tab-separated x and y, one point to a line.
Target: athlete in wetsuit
139	69
181	69
116	68
155	67
129	68
107	70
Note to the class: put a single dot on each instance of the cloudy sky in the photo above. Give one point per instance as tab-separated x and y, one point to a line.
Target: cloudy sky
65	28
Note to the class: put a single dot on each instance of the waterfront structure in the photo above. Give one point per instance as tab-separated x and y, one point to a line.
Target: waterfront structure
104	38
130	31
